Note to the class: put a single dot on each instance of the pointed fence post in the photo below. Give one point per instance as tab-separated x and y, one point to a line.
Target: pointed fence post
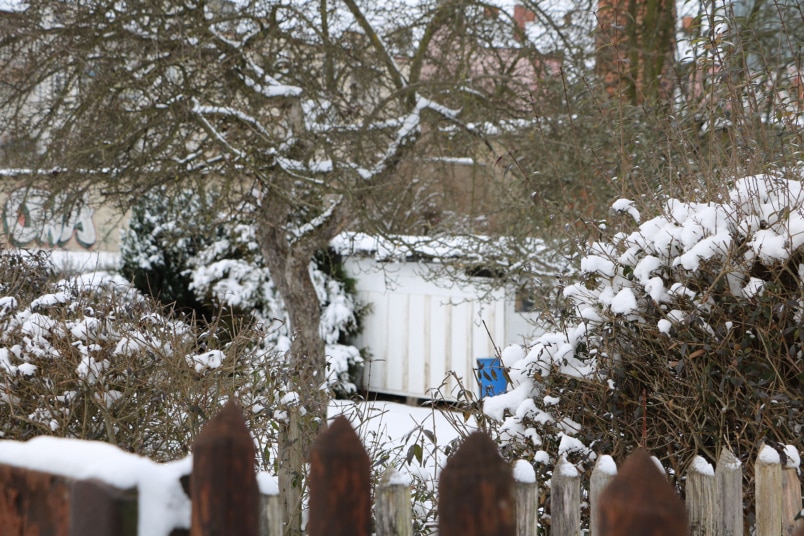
729	490
603	473
768	486
340	486
223	485
640	500
475	491
701	494
393	511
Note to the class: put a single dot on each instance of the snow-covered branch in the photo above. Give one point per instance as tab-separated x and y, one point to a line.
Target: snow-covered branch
214	132
269	86
317	222
409	129
231	112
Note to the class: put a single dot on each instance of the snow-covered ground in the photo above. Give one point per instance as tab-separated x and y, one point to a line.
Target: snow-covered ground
162	503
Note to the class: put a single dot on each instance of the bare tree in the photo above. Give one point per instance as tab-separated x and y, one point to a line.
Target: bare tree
309	110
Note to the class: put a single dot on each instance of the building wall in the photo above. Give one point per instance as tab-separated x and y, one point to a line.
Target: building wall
419	329
33	218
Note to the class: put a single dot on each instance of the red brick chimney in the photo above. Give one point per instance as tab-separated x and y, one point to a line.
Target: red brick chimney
523	15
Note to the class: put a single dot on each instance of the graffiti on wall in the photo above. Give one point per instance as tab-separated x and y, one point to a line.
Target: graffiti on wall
33	216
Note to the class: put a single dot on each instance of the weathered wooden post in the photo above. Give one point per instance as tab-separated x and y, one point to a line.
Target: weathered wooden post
291	446
605	470
223	486
340	483
475	491
271	515
33	503
791	492
565	500
768	489
394	516
526	492
639	500
98	509
729	489
701	492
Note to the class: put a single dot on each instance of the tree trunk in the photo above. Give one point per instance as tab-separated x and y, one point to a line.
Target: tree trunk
307	376
635	49
288	259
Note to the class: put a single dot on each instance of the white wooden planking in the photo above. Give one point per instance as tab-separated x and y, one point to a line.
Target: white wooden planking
418	330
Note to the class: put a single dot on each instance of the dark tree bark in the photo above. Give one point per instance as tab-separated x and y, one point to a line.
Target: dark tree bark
636	48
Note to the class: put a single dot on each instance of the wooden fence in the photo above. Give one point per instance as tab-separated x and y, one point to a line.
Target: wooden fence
477	495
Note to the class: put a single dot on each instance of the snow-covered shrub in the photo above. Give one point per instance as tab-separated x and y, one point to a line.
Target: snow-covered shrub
687	327
217	266
90	357
230	272
156	247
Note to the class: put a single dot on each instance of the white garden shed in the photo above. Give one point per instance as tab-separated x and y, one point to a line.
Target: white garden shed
420	326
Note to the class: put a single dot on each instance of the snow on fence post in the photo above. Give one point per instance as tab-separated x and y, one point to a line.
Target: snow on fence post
605	469
701	497
565	500
729	493
340	483
475	491
791	492
223	486
394	516
768	489
526	493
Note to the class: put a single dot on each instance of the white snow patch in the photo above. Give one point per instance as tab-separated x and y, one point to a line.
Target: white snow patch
768	455
208	360
605	465
626	206
793	457
268	483
524	472
702	467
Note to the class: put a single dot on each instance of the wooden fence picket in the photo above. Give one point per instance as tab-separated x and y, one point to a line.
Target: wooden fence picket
701	494
477	495
640	482
393	513
768	482
729	491
791	501
475	489
223	486
33	503
605	470
527	508
271	516
340	483
565	500
98	509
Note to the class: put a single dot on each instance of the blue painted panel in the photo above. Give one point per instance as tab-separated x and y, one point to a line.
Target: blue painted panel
490	376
